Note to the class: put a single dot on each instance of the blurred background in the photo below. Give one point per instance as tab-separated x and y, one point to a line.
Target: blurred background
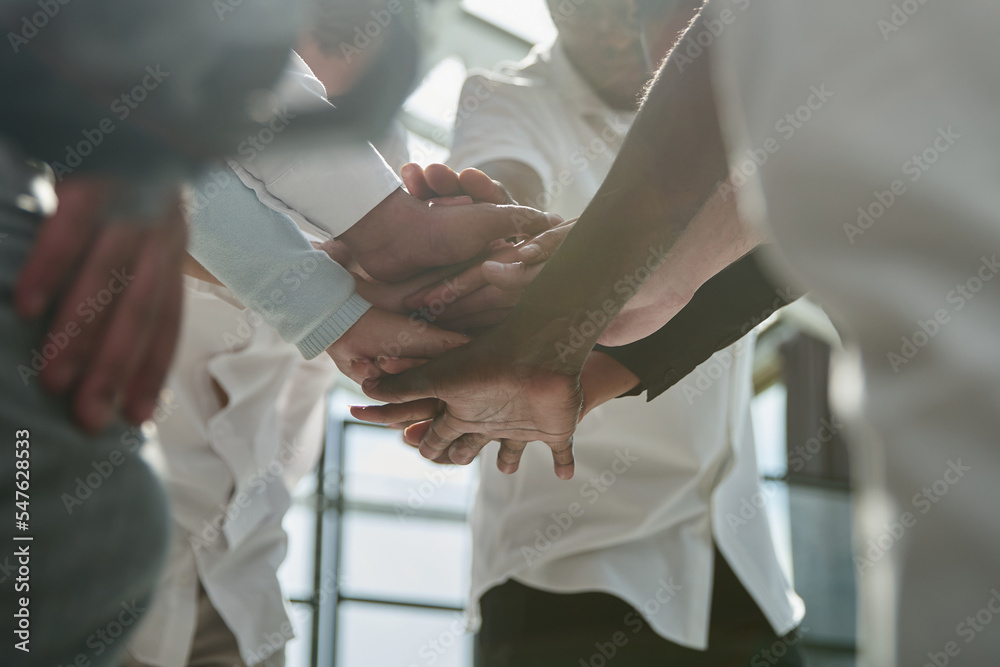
379	544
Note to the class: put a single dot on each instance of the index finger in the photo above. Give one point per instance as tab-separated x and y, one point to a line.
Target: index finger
464	283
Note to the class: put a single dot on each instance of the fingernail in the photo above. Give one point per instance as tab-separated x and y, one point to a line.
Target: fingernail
453	344
554	219
493	267
531	252
380	360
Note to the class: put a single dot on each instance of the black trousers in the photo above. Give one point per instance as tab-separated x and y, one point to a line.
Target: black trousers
526	627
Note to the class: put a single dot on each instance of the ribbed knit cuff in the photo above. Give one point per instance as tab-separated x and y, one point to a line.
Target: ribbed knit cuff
333	327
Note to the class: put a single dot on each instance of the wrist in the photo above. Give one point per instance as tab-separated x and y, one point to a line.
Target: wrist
603	379
369	234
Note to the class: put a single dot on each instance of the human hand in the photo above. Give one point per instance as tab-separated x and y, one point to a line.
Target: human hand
489	394
114	282
492	288
389	296
404	235
436	181
479	296
603	379
389	342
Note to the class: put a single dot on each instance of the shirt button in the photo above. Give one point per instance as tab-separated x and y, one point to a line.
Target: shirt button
669	375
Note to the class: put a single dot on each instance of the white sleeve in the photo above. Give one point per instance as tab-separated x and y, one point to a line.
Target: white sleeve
263	258
329	187
495	122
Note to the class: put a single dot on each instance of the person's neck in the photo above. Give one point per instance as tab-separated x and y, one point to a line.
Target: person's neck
614	100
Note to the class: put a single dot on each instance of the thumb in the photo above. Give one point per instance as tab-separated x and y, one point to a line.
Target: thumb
481	187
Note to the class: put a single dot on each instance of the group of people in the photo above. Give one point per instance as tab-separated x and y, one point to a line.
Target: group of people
447	293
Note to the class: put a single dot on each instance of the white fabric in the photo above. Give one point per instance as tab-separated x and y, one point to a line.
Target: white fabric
911	82
541	113
265	260
681	466
301	179
228	472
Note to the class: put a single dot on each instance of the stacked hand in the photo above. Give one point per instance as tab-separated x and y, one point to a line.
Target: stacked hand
445	419
405	234
392	337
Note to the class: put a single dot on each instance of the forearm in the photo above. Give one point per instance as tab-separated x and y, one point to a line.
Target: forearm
716	238
262	257
667	170
724	310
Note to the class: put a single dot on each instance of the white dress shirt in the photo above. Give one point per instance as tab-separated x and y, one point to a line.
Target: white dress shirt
656	484
229	469
883	199
328	188
228	473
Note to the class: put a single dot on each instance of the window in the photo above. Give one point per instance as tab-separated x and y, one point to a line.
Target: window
803	464
379	556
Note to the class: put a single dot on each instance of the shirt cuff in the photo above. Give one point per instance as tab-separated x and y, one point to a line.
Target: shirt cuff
333	327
